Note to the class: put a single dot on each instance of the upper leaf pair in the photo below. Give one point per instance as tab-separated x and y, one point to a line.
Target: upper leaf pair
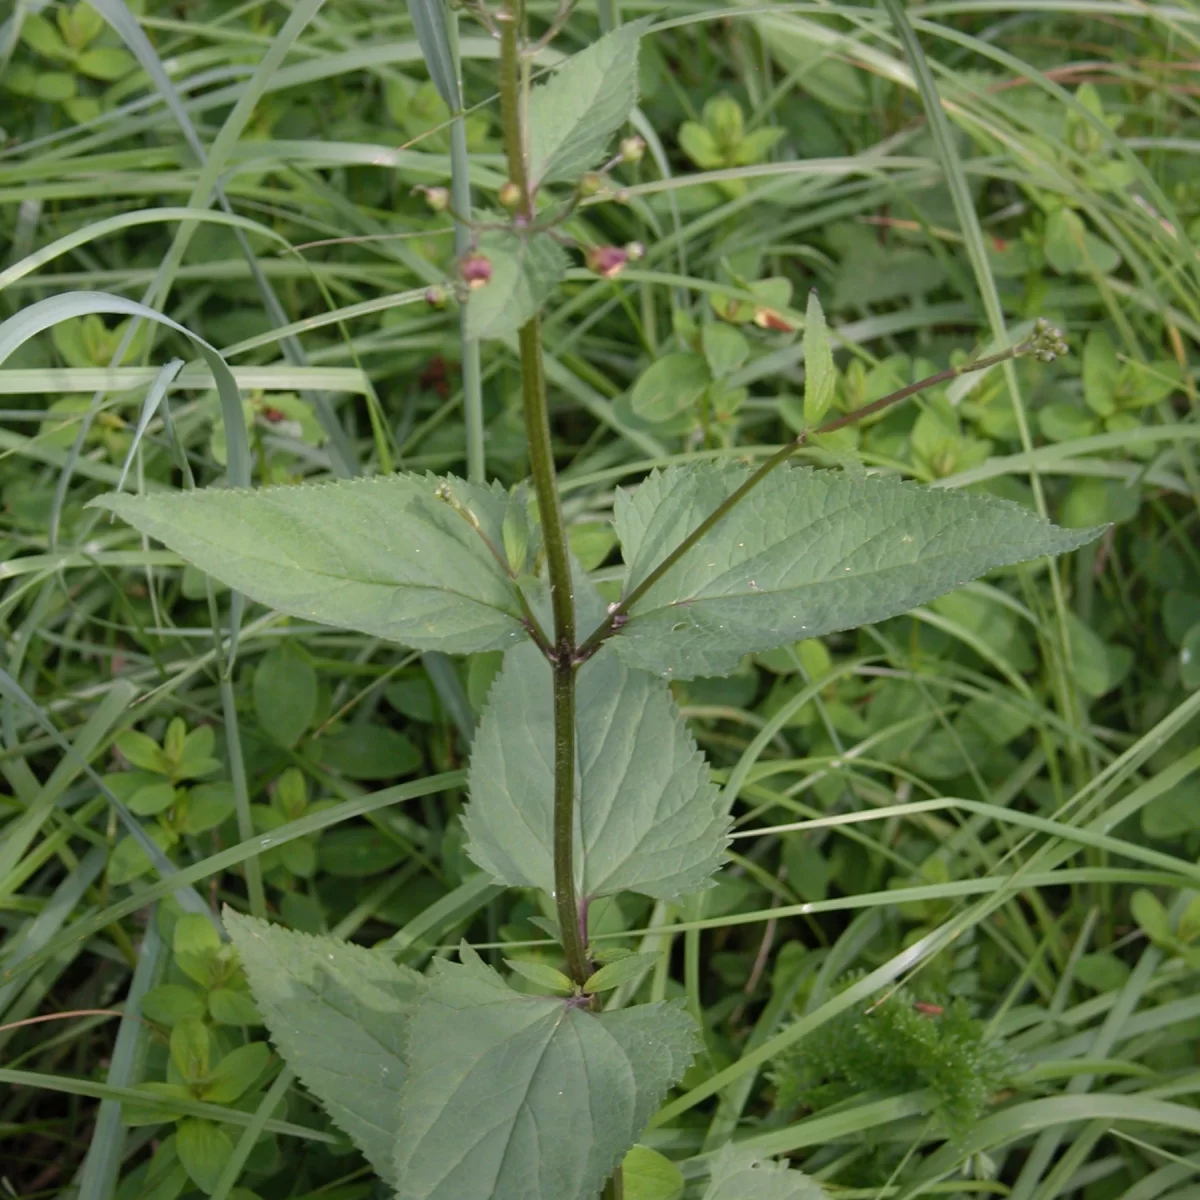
805	554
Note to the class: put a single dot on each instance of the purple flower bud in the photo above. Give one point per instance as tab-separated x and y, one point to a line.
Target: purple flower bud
476	270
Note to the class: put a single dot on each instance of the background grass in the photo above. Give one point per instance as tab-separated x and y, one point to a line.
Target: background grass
956	949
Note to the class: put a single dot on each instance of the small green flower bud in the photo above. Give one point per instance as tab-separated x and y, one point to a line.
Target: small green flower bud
591	183
632	149
635	251
509	195
438	198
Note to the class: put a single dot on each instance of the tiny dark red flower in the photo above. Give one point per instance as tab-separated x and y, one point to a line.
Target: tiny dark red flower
476	270
608	261
768	318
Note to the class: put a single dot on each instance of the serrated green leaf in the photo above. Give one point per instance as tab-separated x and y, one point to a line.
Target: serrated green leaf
285	695
543	975
819	375
514	1097
619	972
337	1013
525	270
806	554
648	818
741	1175
382	556
573	116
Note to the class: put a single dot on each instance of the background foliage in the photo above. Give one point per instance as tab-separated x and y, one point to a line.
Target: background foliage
1007	771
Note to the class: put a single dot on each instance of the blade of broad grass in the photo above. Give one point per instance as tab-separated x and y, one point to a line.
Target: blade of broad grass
154	397
116	12
55	913
95	230
19	834
187	896
241	796
825	1128
169	1106
972	231
42	315
235	855
97	1179
274	1098
1034	1116
422	933
1127	1001
997	889
446	682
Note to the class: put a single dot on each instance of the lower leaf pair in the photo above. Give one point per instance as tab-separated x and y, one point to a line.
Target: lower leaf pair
454	1086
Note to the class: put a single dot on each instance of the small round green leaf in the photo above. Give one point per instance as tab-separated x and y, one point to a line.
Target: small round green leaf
170	1003
231	1006
236	1073
649	1175
203	1149
369	752
155	798
1151	917
285	696
670	386
190	1049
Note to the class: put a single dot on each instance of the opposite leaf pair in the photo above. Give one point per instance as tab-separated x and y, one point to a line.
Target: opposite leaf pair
806	553
454	1086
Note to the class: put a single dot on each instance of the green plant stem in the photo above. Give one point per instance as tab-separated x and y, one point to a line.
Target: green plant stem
554	531
460	183
614	619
